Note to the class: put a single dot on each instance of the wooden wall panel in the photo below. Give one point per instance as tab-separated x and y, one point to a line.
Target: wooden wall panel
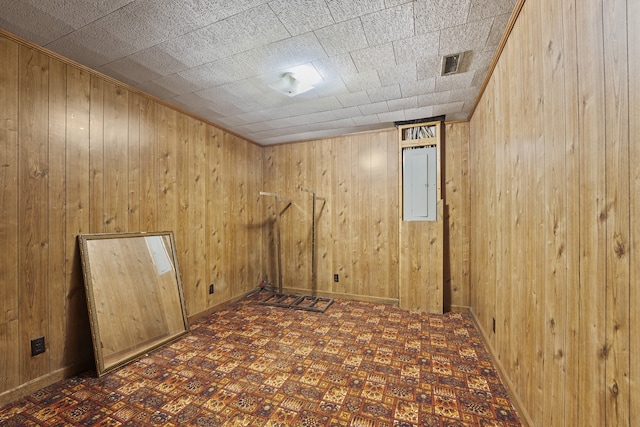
9	211
57	273
83	154
561	211
33	208
77	330
616	89
455	168
633	39
356	226
555	221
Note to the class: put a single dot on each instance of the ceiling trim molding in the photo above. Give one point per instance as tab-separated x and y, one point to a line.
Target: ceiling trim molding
496	57
58	57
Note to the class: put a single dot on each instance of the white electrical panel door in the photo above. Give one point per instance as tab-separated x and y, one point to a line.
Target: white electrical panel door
419	183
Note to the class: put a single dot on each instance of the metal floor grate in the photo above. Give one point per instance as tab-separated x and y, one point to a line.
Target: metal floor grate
298	302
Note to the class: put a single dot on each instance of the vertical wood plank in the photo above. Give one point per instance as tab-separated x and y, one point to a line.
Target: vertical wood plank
57	273
33	205
96	156
393	214
148	166
342	190
115	160
167	169
9	213
197	205
633	39
184	220
593	211
78	348
133	167
555	225
573	149
616	121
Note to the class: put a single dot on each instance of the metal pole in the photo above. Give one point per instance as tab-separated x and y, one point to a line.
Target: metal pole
278	250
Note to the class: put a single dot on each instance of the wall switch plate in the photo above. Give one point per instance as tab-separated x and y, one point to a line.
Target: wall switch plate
37	346
211	290
336	278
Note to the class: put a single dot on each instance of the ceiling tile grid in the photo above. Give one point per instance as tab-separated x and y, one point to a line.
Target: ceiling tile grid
371	62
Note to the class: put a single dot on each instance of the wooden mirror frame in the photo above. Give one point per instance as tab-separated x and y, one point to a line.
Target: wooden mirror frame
134	294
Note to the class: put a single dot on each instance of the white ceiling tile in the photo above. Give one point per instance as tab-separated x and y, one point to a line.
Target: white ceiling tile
129	71
169	17
468	94
31	23
345	113
418	113
374	57
284	54
484	9
366	120
465	37
401	74
193	49
354	99
301	16
156	90
331	88
497	30
127	27
176	84
362	81
388	25
453	82
91	47
342	37
428	67
392	3
403	103
479	77
256	27
419	87
216	10
336	66
433	98
384	93
410	49
343	10
444	109
158	59
391	116
217	72
374	108
434	15
74	13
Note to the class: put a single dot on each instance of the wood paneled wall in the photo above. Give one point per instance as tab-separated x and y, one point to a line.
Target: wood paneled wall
82	154
357	225
554	158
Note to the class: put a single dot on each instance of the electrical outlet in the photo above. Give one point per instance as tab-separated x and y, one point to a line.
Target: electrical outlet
336	278
211	290
37	346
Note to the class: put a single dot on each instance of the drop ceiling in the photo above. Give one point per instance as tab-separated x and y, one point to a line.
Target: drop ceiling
374	62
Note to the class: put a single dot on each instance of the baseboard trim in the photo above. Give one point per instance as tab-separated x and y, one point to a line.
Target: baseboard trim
525	418
41	382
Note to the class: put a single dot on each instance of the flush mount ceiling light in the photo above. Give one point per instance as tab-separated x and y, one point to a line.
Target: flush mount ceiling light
290	85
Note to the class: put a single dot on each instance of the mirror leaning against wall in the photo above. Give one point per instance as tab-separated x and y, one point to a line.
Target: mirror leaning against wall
134	294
